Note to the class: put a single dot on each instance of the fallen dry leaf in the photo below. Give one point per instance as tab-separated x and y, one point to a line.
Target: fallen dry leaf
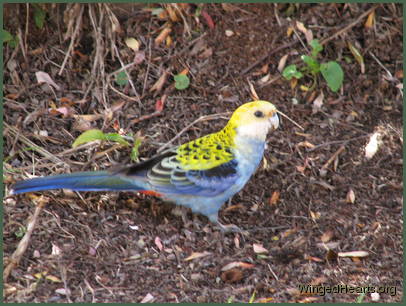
370	20
372	147
313	258
326	237
63	291
315	215
173	15
282	62
132	43
350	198
306	144
353	254
288	232
196	255
289	31
300	26
162	36
318	102
232	276
229	33
235	264
160	82
274	198
158	243
43	77
259	249
139	57
148	298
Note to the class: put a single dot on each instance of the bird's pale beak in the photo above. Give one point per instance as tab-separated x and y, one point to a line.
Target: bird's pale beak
274	120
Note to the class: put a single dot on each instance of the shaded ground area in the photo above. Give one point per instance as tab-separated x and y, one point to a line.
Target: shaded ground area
314	196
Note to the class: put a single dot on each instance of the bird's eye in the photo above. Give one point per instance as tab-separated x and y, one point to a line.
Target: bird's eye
259	114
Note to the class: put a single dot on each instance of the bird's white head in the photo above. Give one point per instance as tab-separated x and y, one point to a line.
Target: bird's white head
254	119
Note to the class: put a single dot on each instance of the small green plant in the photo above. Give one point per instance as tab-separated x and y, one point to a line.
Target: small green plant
95	134
331	71
12	40
182	81
121	78
20	232
39	16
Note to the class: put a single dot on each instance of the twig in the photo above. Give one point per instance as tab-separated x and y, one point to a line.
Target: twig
37	148
273	273
72	40
23	244
128	75
390	76
202	118
344	142
121	94
291	120
323	42
146	117
148	61
185	49
332	158
349	26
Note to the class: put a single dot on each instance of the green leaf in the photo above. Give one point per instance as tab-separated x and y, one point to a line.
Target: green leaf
39	16
6	36
121	78
313	64
9	38
316	47
89	135
134	149
20	232
291	72
333	74
181	81
116	138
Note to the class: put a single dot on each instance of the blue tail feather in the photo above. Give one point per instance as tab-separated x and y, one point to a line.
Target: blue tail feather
81	181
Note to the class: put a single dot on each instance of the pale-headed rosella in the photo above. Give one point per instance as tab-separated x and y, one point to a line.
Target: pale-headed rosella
201	174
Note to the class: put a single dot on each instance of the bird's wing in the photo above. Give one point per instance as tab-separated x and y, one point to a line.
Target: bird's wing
200	167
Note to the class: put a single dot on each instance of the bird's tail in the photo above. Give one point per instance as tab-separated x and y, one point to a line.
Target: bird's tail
80	181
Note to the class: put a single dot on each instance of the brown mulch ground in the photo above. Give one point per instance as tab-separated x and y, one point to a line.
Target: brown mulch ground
120	247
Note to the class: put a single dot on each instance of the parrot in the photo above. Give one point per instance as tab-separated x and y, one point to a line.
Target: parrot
201	174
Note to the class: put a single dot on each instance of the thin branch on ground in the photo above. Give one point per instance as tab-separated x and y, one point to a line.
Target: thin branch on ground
25	241
72	40
350	25
35	147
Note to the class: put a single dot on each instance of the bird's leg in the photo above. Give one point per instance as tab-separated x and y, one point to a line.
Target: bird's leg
226	228
182	212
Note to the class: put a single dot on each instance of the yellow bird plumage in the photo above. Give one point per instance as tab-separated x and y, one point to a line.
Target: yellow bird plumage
201	174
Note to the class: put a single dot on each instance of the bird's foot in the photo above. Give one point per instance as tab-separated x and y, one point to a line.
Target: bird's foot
231	228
